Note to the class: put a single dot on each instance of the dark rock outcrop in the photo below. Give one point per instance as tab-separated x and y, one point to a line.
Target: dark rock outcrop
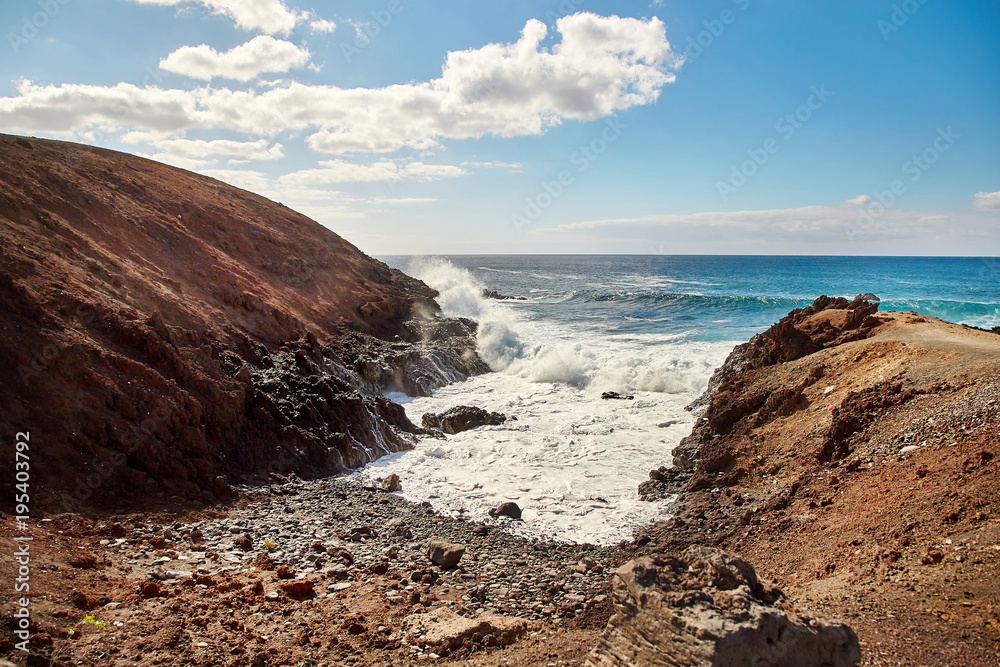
508	509
163	334
462	418
707	608
493	294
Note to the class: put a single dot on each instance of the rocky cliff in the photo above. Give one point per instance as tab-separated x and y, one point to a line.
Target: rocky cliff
164	334
852	457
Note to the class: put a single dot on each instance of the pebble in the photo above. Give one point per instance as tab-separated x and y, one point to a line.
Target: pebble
363	533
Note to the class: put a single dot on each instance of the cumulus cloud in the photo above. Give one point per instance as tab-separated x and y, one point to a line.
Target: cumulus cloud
986	201
244	62
342	171
601	65
267	16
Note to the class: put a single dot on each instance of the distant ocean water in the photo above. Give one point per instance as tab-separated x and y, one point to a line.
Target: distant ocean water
651	326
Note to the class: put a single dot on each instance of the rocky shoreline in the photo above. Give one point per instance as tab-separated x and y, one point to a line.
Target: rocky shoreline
165	335
199	362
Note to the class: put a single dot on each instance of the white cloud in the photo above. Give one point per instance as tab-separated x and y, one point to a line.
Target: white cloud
600	66
193	153
268	16
496	164
341	171
322	25
244	62
852	227
986	201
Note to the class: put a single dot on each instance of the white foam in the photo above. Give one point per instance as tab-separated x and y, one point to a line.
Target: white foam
571	461
568	447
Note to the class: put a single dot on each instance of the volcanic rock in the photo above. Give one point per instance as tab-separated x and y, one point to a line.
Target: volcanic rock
444	553
508	509
709	608
392	483
493	294
448	631
462	418
171	334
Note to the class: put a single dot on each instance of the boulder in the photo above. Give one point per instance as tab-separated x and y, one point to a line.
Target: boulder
462	418
507	509
709	608
444	553
614	395
392	484
446	630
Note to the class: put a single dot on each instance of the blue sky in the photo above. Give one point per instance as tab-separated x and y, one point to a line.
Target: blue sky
720	126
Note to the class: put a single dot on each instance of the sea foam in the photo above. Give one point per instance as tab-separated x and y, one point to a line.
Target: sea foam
571	460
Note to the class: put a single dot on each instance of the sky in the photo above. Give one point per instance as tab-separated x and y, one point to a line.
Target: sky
856	127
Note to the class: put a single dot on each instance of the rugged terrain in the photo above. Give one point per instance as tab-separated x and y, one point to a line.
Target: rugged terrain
852	457
174	345
164	335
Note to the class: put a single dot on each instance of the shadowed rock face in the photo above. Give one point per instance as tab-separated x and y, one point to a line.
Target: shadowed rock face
165	334
707	608
462	418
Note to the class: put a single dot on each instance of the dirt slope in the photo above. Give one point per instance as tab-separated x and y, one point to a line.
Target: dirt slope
863	479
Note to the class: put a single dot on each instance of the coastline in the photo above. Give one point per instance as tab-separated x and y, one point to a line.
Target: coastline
861	477
824	456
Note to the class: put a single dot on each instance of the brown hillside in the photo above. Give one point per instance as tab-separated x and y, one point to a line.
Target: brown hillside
164	333
853	458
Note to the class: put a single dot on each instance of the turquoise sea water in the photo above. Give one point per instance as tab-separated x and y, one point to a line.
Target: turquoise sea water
728	298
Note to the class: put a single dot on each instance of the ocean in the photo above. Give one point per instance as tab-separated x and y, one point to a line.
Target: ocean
653	327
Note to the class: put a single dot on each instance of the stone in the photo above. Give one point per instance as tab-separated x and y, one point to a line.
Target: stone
443	553
508	509
709	608
299	588
447	630
462	418
397	528
614	395
392	483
